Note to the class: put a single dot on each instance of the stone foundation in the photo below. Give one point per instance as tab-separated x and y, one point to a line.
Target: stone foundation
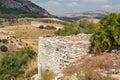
55	53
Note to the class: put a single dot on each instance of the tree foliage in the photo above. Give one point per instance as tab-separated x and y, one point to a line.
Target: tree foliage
107	36
12	63
74	28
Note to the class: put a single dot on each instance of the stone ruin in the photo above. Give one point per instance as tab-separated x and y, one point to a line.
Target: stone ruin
55	53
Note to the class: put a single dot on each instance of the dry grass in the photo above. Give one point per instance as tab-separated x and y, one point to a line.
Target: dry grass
26	31
32	43
29	35
90	68
31	68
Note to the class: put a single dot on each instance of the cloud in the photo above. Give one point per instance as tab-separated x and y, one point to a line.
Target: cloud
111	7
68	0
73	4
48	3
52	3
106	6
95	1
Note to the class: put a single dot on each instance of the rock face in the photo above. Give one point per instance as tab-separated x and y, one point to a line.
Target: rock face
25	5
55	53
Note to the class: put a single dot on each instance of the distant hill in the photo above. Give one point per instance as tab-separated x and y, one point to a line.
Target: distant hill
21	8
98	14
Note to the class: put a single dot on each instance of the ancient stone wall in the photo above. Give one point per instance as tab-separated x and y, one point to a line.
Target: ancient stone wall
55	53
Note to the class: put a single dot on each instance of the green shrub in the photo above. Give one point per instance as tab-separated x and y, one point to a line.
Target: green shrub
4	48
41	27
5	41
87	26
69	29
50	28
107	36
47	27
47	75
12	63
75	28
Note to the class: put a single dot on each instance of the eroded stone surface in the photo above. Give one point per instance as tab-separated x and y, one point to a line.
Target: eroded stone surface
55	53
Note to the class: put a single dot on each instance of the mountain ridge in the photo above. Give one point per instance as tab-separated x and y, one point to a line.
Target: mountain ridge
98	14
23	7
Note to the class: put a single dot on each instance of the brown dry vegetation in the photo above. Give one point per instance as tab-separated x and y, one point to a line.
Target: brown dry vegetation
92	68
28	35
26	31
31	68
31	42
23	21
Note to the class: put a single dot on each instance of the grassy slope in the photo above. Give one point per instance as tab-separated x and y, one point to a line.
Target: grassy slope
29	35
29	32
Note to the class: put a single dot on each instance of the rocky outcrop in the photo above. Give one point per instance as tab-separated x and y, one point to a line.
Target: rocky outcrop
55	53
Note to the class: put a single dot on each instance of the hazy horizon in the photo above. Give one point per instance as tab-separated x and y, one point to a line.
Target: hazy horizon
61	7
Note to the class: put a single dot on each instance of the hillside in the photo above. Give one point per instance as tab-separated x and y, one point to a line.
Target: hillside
98	14
21	8
27	31
28	35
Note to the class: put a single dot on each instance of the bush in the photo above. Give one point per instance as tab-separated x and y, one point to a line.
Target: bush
47	27
107	36
47	75
4	40
75	28
41	27
4	48
87	26
12	63
50	28
69	29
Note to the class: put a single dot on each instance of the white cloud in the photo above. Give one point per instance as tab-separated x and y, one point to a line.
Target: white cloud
49	3
111	7
68	0
73	4
102	1
52	3
106	6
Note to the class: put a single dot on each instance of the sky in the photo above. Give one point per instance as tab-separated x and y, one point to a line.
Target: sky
62	7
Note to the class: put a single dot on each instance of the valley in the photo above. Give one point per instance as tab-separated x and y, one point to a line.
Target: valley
37	45
27	29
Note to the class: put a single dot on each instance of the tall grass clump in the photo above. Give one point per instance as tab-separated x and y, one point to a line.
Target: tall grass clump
47	75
